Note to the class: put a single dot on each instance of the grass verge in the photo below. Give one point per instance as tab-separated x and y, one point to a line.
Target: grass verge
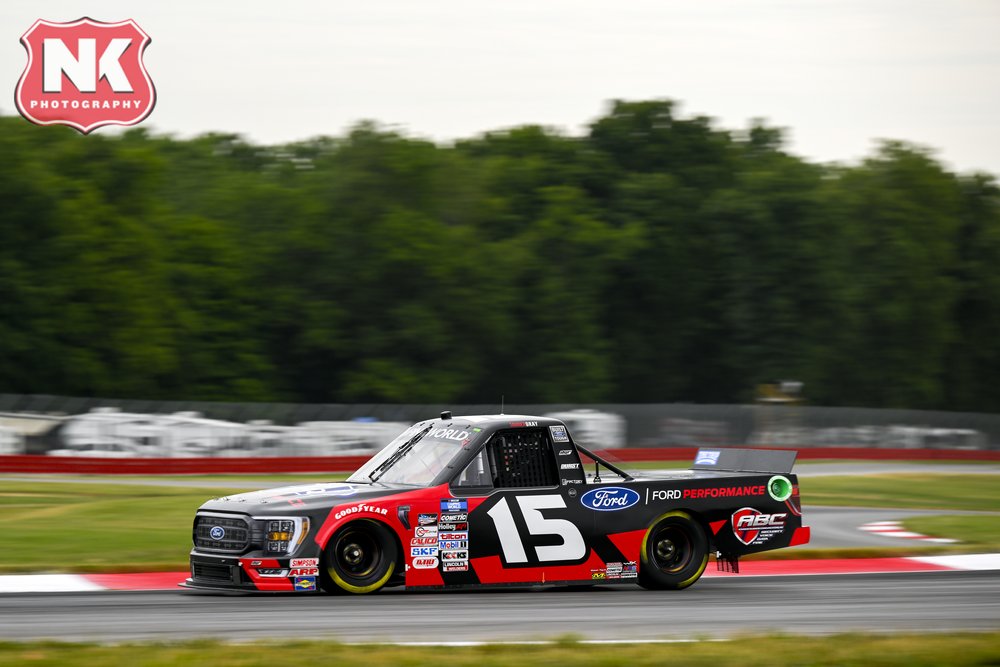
905	490
915	650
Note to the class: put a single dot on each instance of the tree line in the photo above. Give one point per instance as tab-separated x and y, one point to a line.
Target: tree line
655	258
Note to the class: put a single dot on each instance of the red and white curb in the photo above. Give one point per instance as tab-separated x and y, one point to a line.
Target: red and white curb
159	581
895	529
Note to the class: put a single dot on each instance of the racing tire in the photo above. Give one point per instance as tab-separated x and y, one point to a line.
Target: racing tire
360	558
674	552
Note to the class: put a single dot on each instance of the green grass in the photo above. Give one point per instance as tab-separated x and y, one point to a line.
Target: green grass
912	650
905	490
981	533
95	527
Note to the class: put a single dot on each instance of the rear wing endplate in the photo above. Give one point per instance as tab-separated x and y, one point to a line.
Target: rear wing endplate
745	460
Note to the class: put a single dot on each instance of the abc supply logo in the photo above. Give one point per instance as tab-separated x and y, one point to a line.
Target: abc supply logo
85	74
753	527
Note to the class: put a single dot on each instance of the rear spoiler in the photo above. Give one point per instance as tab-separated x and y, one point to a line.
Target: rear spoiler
745	460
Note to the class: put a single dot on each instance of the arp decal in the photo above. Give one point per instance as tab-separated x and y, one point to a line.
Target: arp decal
753	527
304	572
609	499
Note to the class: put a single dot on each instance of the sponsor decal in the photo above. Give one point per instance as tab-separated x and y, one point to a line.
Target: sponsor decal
304	583
522	424
565	452
570	466
217	533
609	499
664	494
453	544
425	563
454	505
707	457
256	563
453	518
456	567
598	574
427	519
453	526
567	482
423	541
304	572
423	551
753	527
455	555
619	570
354	509
464	535
425	531
296	502
305	562
85	74
334	490
449	434
559	434
725	492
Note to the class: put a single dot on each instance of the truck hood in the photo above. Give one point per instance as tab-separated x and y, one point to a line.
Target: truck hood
299	497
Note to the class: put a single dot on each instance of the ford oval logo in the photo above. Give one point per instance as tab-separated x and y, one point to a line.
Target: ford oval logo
217	532
609	499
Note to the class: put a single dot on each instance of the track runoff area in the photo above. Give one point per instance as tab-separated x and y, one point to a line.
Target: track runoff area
156	581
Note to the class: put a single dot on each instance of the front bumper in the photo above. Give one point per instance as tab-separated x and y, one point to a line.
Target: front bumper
239	573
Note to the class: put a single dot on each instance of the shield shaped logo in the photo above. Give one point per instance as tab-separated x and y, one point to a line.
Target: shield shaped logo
743	525
85	74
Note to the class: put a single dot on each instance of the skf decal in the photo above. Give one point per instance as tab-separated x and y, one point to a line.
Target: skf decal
753	527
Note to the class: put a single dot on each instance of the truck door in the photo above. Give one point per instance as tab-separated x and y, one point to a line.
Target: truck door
525	521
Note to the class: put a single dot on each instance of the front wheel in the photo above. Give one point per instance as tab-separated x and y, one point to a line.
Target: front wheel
359	559
674	552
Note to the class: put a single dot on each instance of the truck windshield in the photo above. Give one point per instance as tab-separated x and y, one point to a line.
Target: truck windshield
416	456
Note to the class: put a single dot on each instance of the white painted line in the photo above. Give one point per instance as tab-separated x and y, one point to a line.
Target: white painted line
964	561
46	583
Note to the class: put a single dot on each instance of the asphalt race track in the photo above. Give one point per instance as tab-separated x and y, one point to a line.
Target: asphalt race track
723	607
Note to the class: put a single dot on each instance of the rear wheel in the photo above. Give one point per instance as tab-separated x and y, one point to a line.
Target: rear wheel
674	552
359	559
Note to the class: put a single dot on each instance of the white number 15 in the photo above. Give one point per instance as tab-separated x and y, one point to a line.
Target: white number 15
572	548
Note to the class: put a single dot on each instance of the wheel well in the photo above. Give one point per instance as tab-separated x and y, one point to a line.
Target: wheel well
400	559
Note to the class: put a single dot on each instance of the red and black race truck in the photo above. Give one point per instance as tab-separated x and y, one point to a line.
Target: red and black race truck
496	500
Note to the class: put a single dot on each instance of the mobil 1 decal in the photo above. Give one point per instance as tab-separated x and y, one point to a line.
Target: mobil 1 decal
527	530
753	527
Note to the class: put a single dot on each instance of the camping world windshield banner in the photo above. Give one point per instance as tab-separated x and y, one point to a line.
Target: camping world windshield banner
85	74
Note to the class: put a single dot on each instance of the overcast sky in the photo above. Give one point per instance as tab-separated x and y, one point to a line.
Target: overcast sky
837	73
